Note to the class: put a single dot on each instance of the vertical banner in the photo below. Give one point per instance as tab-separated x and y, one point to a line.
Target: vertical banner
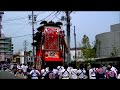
51	38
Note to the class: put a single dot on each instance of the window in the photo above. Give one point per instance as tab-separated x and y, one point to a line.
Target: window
78	57
78	53
73	57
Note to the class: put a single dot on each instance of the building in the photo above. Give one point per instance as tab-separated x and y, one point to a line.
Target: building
16	58
22	57
19	57
6	46
79	55
108	43
6	49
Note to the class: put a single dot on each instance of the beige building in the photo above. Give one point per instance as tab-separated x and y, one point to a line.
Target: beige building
16	59
6	49
6	46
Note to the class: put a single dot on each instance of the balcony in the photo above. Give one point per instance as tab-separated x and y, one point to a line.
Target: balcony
2	38
4	47
4	51
4	42
5	38
8	53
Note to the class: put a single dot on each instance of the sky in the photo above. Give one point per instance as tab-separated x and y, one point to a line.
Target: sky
91	23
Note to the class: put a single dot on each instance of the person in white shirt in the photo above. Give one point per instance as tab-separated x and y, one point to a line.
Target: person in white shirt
118	77
20	69
60	68
114	69
73	73
18	65
55	70
11	66
64	74
81	72
69	68
34	73
22	65
44	72
92	72
25	69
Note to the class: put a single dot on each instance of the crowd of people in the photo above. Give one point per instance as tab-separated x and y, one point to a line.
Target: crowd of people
91	71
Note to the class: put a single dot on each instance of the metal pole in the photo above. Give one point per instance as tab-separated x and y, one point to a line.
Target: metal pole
68	35
33	37
75	42
119	17
25	49
1	13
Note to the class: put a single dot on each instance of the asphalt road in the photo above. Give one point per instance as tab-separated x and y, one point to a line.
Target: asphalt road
7	75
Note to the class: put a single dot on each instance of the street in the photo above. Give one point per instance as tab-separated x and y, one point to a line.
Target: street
7	75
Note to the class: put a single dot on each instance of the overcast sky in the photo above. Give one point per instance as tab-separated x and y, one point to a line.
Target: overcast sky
91	23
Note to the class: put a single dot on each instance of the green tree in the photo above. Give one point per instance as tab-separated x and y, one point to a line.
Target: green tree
98	42
114	52
85	42
96	46
87	49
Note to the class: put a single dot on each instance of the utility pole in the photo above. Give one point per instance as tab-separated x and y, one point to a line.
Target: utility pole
33	36
25	49
1	13
33	18
119	17
75	42
68	35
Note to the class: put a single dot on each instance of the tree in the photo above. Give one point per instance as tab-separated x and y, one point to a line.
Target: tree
114	52
87	49
85	42
96	47
98	44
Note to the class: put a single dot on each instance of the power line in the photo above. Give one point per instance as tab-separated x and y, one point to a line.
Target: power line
15	19
22	28
46	17
13	23
58	13
18	29
59	19
52	17
57	16
21	36
20	18
41	13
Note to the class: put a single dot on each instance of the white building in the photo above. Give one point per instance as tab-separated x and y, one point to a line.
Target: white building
79	55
